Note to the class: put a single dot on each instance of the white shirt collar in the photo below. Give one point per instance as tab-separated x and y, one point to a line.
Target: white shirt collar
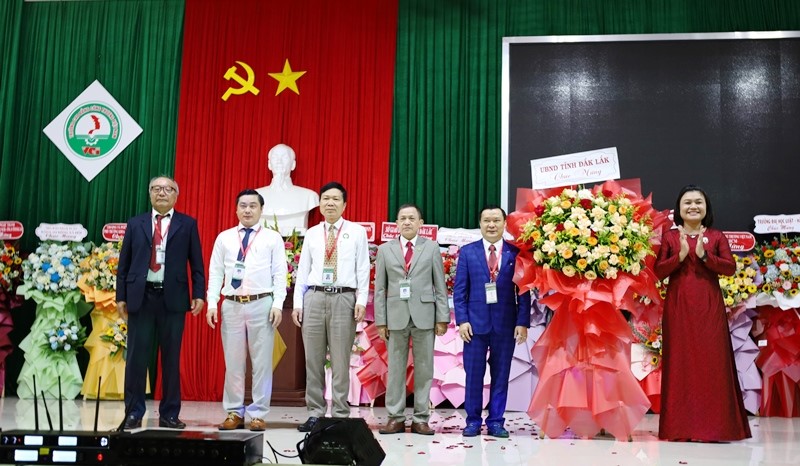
170	213
338	224
256	228
498	245
404	241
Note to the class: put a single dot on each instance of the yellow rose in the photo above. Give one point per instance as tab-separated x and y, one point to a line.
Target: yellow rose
567	253
591	240
536	235
574	231
590	275
603	265
582	264
612	209
552	236
566	204
614	249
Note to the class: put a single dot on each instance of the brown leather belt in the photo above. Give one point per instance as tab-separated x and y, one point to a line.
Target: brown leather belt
333	289
247	298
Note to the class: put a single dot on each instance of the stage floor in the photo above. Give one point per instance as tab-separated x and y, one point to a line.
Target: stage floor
776	441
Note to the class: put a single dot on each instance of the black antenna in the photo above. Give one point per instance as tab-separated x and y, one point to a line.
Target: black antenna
60	410
35	405
97	403
47	411
121	426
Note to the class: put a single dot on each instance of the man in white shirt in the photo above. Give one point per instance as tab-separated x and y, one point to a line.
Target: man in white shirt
330	297
248	266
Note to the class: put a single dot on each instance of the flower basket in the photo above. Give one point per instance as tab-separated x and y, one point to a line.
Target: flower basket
590	254
51	277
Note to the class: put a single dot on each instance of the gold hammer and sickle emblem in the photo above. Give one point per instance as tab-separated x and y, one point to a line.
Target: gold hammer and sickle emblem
247	84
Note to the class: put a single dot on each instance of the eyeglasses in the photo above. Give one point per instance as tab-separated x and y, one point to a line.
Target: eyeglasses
162	189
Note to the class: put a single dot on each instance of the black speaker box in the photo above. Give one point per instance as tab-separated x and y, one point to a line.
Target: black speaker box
341	441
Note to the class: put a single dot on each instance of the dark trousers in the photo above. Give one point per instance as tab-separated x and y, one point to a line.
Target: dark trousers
501	350
144	326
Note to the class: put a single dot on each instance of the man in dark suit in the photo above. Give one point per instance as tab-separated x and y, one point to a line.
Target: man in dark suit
153	294
410	304
490	314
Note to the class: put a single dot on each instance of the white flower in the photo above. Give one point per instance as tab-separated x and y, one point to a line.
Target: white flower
784	267
611	272
571	193
598	213
584	194
568	270
67	347
635	268
556	210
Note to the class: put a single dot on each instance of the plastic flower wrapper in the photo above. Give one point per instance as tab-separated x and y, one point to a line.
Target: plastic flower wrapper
589	252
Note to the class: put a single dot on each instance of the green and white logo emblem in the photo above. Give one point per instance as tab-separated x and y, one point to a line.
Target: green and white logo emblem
92	130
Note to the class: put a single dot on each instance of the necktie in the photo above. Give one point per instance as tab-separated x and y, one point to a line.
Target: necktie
157	239
331	255
240	257
409	254
492	261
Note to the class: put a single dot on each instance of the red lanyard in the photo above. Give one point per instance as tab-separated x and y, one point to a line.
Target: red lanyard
250	242
329	252
157	226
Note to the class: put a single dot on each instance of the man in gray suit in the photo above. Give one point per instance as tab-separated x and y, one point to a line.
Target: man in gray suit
410	302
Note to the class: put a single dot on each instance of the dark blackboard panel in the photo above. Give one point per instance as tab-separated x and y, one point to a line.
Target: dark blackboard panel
722	114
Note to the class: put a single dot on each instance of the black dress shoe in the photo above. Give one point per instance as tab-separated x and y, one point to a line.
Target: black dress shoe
171	423
308	425
132	423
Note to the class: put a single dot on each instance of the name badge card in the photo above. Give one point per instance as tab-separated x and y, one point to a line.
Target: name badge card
405	289
491	293
327	276
161	255
238	271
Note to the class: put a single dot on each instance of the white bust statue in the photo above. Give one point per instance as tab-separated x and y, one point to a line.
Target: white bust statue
283	200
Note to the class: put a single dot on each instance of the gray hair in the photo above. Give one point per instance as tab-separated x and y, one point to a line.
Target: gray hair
150	184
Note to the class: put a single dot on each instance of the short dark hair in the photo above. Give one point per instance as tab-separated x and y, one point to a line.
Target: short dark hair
708	220
334	185
406	206
491	207
250	192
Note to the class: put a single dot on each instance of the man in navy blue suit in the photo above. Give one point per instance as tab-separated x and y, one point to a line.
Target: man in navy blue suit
153	295
490	315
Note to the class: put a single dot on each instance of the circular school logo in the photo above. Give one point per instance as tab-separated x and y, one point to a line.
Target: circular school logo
92	130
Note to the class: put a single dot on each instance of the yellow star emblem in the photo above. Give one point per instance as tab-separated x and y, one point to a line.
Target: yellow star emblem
287	78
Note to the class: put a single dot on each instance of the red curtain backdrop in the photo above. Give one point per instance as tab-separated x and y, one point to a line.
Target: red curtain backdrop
339	125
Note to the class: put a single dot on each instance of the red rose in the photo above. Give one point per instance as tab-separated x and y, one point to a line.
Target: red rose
586	204
560	227
538	210
763	269
607	193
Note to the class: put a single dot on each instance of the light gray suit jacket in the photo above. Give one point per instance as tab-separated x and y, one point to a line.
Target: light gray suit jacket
428	302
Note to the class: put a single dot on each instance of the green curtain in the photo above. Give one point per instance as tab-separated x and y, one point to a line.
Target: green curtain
10	21
52	52
445	152
133	48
